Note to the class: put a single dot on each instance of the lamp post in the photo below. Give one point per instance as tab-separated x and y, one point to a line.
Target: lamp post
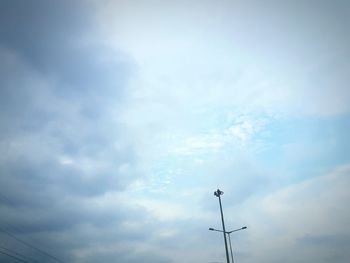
218	193
229	237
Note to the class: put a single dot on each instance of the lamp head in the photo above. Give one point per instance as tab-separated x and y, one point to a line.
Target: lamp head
218	193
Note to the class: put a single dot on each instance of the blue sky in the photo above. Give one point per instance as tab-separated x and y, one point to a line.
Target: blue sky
119	119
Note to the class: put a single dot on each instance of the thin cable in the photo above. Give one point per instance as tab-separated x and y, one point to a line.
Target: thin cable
14	257
31	246
16	229
18	254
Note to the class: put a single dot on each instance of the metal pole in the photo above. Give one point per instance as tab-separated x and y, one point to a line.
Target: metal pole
229	239
218	193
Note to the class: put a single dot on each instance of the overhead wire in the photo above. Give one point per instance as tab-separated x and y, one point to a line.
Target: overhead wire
18	228
31	246
22	241
15	229
14	257
18	254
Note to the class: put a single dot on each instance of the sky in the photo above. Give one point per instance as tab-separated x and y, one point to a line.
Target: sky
119	120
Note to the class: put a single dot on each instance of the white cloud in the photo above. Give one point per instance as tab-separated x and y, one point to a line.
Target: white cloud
314	209
193	55
123	162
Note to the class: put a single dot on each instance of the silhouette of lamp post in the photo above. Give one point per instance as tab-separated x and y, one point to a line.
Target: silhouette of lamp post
218	193
229	237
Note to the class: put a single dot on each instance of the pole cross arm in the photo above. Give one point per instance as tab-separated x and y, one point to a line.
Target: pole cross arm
218	193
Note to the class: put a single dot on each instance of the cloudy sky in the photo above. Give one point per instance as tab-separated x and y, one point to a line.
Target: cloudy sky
119	119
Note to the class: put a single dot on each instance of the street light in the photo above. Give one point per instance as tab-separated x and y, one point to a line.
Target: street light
229	237
218	193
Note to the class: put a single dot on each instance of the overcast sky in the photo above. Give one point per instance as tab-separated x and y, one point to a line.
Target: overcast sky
119	119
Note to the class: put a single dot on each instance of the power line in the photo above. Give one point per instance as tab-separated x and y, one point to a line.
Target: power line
18	239
16	230
18	254
14	257
31	246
